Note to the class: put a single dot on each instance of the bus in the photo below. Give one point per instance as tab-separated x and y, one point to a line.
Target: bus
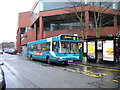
62	48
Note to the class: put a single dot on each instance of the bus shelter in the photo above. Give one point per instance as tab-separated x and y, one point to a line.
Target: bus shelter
102	49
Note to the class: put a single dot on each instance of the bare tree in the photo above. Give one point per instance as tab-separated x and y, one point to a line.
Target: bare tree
104	15
80	14
100	17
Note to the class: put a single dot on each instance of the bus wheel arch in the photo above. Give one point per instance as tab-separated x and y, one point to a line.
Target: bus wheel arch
30	57
48	59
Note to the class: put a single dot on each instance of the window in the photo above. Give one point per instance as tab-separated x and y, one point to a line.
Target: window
68	47
55	46
62	26
46	46
30	47
39	46
35	47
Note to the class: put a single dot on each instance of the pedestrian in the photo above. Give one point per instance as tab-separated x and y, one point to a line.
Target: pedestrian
80	54
117	55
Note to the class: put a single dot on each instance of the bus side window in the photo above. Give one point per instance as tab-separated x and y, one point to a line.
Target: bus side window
39	46
48	46
44	46
31	47
35	47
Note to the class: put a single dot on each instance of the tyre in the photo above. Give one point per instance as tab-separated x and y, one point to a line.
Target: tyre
66	63
48	60
31	58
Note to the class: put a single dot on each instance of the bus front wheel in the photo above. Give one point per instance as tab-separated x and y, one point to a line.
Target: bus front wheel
66	63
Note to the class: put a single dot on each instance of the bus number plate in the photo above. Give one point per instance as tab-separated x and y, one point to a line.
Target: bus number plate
70	61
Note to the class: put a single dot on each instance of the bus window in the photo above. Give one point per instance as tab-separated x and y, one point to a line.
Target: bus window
64	47
46	46
31	47
74	48
35	47
68	47
39	46
54	46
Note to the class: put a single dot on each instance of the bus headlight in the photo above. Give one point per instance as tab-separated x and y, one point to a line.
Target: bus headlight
60	57
78	57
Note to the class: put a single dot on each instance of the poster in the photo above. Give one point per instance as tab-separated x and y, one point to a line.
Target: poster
108	50
91	50
37	53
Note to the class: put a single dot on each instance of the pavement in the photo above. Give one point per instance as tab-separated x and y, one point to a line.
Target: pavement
101	63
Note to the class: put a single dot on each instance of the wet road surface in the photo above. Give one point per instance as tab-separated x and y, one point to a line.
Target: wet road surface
23	73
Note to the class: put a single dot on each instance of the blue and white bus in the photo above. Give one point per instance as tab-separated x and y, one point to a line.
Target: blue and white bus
62	48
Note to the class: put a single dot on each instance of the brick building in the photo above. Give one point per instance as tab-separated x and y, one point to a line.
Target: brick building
48	19
8	45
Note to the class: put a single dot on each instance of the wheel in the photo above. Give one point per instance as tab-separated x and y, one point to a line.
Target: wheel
48	60
66	63
31	58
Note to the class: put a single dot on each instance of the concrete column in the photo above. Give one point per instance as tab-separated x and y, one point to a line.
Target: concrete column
87	23
41	27
115	21
19	41
35	32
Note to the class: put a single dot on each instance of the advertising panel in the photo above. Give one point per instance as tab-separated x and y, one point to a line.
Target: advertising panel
108	50
37	53
91	50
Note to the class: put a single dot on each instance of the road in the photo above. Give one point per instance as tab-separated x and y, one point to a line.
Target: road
23	73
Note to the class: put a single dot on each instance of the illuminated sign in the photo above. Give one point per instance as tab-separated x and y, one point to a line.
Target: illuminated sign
91	50
108	50
66	37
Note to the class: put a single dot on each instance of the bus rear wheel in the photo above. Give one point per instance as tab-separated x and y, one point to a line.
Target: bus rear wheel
31	58
48	60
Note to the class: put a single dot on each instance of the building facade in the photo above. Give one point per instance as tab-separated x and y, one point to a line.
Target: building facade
48	19
8	45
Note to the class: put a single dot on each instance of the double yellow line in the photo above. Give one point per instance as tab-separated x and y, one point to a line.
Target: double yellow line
101	68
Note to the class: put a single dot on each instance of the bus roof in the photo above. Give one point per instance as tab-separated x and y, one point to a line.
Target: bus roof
56	38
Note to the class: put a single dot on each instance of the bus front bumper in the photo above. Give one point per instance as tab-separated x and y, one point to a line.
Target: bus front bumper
62	59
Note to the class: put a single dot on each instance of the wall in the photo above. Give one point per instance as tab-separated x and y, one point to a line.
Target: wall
58	32
24	19
30	36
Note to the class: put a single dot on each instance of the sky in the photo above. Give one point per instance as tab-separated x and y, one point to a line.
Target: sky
9	11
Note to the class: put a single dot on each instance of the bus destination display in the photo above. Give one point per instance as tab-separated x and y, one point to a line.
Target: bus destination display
65	37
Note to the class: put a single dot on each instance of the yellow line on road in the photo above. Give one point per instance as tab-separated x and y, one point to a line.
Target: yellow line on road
56	66
100	68
115	81
70	70
108	69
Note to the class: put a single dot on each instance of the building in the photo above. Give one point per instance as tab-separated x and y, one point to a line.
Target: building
48	19
8	45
